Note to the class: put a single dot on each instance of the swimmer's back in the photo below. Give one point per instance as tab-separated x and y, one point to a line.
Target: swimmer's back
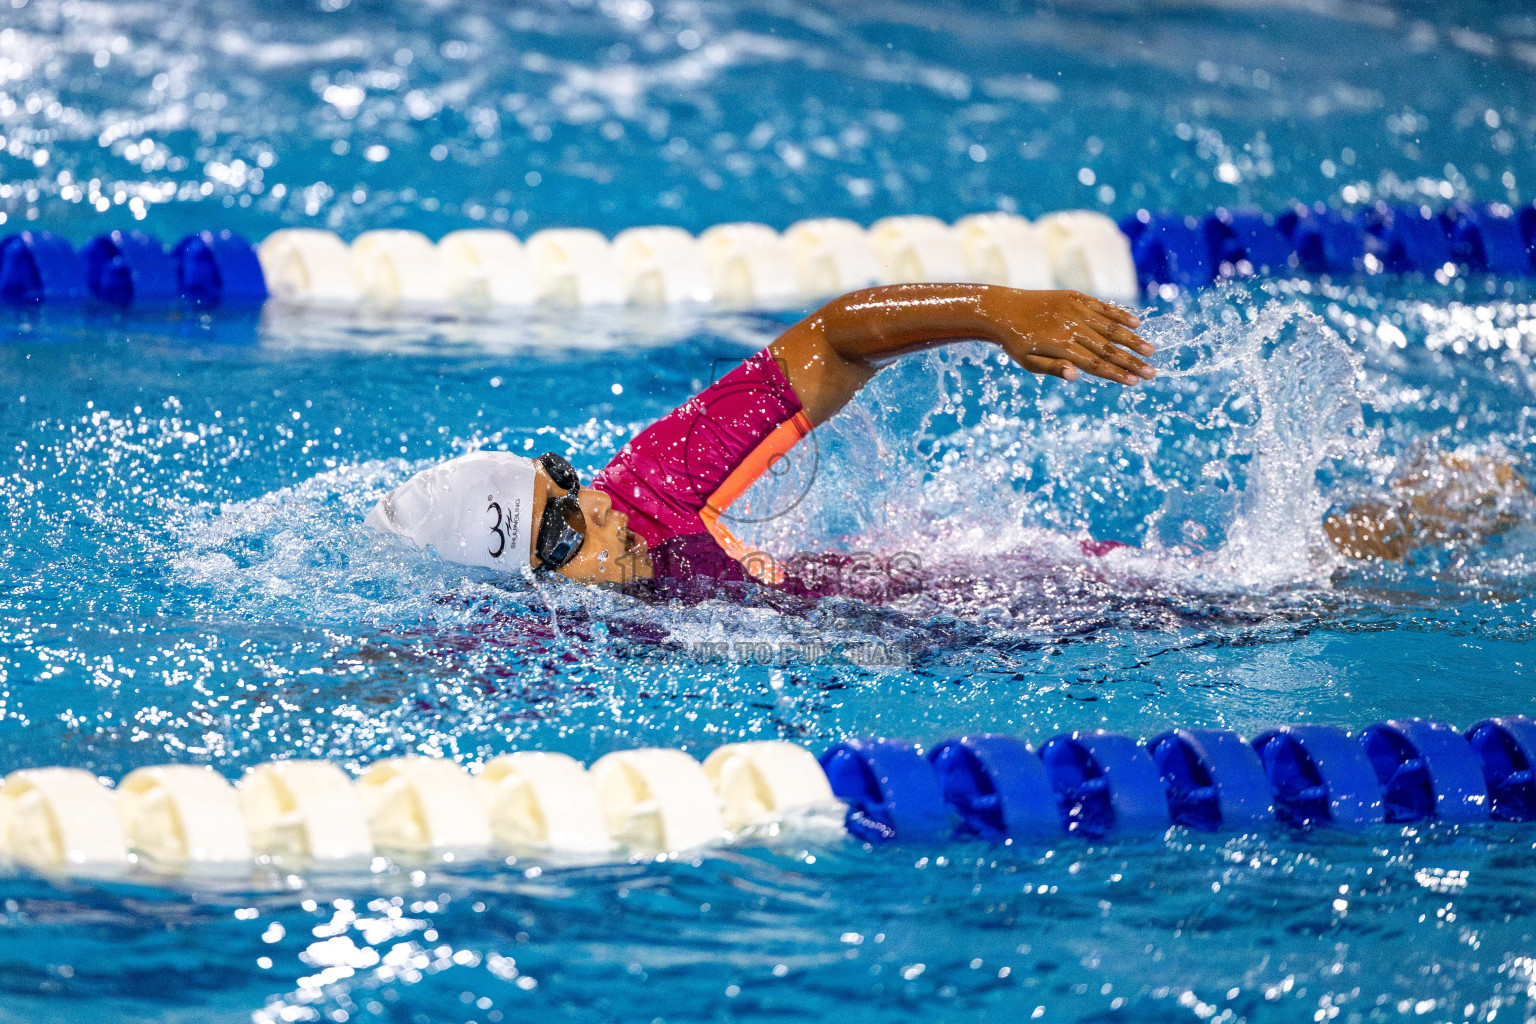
675	477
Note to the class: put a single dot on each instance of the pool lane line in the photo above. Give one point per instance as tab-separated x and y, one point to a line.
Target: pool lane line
745	265
1090	784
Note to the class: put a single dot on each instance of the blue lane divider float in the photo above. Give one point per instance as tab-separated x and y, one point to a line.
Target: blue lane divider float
1243	243
1212	779
1397	239
1406	240
218	268
1426	770
1098	784
1488	239
123	269
1327	241
1318	774
127	268
38	267
1170	249
890	789
1104	783
997	786
1506	749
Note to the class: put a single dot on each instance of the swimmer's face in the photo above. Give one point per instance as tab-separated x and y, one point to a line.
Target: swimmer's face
611	554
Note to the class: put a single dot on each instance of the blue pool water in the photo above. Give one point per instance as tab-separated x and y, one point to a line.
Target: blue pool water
186	577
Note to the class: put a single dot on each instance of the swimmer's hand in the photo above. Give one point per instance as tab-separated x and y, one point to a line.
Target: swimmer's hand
835	351
1059	333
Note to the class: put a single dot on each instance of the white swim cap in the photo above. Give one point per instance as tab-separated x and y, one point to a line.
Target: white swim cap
476	509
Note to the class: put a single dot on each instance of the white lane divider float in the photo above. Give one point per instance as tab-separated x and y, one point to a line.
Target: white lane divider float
1000	248
916	248
423	805
59	817
742	265
307	265
395	268
749	266
761	782
483	268
831	256
178	814
304	810
182	817
543	801
657	799
661	267
574	267
1088	252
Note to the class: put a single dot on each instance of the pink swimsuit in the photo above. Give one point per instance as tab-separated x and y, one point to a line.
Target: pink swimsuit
676	477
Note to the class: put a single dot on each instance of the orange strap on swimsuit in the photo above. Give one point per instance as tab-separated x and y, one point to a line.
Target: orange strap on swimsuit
679	476
758	461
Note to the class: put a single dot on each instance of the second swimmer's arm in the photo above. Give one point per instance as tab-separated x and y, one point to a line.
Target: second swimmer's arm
835	351
1444	498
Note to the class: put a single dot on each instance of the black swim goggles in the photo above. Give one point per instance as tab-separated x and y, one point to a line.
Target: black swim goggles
563	529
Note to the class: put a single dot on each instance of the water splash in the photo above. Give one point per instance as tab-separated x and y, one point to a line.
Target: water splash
1210	470
1293	383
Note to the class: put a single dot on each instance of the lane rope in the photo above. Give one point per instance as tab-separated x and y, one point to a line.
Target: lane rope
655	801
482	272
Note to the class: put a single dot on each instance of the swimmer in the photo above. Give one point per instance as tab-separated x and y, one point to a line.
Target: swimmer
653	513
1445	498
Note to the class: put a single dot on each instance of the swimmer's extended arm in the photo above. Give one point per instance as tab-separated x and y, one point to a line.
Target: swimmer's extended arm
836	350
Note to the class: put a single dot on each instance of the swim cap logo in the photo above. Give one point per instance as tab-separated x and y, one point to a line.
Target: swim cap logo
504	531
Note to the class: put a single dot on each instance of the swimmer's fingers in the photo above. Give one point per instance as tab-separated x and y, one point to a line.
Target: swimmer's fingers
1117	332
1049	367
1100	337
1067	341
1078	352
1108	309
